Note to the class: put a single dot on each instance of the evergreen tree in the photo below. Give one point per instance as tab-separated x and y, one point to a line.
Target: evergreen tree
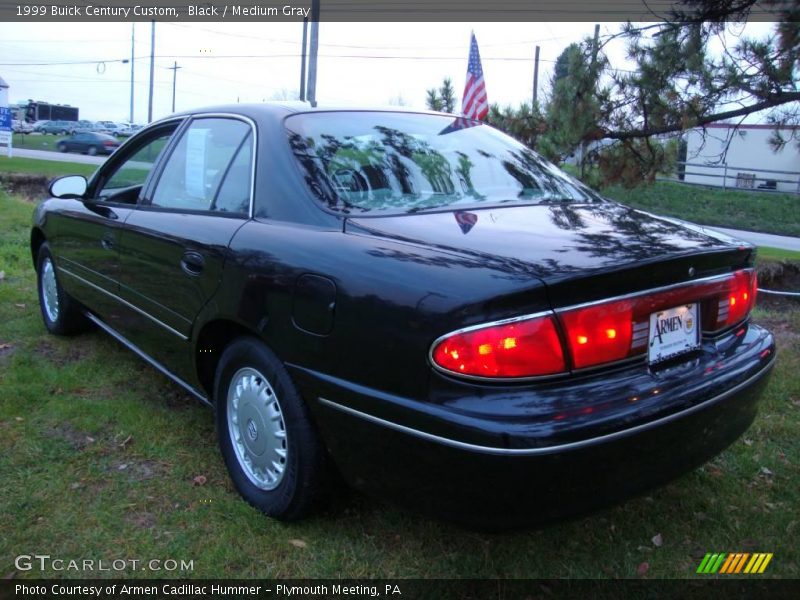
443	99
448	96
433	101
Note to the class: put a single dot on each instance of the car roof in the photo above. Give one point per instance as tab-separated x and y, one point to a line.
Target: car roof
282	109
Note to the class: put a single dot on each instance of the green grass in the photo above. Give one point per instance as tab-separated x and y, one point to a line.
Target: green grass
777	254
49	168
751	211
37	141
98	453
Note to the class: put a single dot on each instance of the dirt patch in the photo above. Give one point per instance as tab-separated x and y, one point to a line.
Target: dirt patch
138	469
62	355
6	350
26	185
158	390
142	520
176	397
783	276
74	437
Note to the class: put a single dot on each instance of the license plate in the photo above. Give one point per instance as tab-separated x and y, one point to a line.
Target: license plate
673	331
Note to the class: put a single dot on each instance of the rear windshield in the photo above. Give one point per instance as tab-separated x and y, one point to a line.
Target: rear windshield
377	162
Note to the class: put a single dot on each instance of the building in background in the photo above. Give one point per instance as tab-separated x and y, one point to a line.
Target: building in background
32	111
731	156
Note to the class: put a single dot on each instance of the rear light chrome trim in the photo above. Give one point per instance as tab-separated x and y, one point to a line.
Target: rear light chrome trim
665	288
500	323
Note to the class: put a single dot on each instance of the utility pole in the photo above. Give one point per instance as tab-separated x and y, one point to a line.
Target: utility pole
535	79
174	68
303	60
313	50
133	38
152	70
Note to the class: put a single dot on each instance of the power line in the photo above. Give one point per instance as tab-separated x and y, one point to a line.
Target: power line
75	62
70	42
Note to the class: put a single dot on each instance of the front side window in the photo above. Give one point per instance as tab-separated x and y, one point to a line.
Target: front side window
134	171
363	162
210	152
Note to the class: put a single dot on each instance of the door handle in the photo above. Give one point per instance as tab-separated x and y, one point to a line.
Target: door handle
107	242
192	263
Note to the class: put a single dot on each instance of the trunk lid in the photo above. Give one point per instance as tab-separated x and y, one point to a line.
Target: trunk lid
583	252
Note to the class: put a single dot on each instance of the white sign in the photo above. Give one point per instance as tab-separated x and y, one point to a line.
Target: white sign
6	140
196	143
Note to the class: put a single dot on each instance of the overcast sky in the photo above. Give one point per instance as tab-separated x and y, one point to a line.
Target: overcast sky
251	62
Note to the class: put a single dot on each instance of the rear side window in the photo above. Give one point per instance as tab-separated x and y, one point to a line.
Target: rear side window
234	193
209	169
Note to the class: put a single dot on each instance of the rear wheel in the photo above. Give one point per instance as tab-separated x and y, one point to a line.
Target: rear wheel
267	439
92	150
60	313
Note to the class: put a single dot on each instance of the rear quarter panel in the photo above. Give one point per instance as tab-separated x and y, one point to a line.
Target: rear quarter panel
392	300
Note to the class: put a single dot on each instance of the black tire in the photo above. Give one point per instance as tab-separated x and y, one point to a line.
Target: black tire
92	151
69	318
62	147
304	478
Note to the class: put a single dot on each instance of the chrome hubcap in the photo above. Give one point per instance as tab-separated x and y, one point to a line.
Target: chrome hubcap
49	290
256	427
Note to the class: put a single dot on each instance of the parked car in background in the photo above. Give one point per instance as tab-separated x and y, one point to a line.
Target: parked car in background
57	127
110	127
415	298
82	125
87	142
37	125
18	126
126	129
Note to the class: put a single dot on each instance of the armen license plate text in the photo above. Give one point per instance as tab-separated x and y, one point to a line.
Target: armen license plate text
673	331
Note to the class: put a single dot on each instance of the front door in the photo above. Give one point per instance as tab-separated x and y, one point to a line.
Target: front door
88	231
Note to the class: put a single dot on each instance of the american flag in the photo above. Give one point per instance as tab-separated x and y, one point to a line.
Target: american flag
458	124
475	104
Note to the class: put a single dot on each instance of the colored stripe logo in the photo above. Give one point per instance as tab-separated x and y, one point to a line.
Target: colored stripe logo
734	563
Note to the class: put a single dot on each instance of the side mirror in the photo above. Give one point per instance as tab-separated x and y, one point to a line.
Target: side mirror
69	186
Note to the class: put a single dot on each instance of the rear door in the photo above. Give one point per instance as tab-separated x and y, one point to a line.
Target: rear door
174	245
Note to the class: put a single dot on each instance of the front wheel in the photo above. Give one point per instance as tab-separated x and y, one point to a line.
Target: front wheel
62	147
60	313
267	439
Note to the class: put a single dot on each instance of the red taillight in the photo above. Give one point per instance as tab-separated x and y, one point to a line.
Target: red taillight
739	299
525	348
109	143
600	333
595	334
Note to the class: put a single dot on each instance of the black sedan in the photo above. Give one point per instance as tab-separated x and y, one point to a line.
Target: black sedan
87	142
413	300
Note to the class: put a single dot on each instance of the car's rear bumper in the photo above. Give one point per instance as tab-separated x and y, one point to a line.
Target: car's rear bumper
503	456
